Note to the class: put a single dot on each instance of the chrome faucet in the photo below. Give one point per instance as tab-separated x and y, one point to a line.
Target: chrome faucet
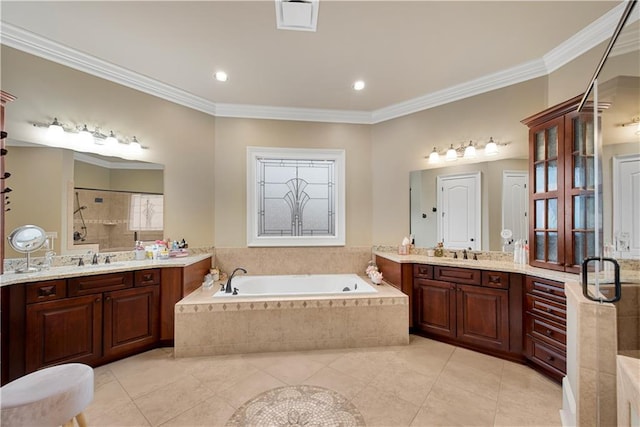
94	260
464	254
227	289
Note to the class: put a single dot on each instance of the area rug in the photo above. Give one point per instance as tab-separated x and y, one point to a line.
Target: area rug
301	405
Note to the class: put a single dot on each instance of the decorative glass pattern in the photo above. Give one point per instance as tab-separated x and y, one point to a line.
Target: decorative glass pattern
295	197
552	249
539	246
540	220
552	209
540	178
539	152
146	212
552	143
552	174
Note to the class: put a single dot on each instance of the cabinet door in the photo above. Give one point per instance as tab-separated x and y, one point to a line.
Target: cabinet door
546	186
131	320
435	309
483	316
63	331
580	226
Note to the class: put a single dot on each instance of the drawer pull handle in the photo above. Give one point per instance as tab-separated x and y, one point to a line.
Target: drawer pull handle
548	309
495	279
549	332
146	277
97	300
551	358
47	291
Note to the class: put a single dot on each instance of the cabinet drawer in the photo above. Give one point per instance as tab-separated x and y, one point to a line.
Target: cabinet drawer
495	279
458	275
546	355
46	291
547	331
100	283
546	288
547	309
423	271
147	277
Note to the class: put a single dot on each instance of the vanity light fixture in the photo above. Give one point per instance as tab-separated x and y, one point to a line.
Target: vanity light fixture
56	132
491	148
451	154
634	122
468	151
434	157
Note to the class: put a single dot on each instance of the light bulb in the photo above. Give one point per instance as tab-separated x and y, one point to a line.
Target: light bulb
359	85
491	148
111	140
434	157
55	130
221	76
134	145
451	154
470	151
85	136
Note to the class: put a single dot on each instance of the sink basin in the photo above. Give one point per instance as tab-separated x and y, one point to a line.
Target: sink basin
113	264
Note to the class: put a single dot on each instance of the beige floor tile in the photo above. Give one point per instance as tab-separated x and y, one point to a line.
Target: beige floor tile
148	375
363	364
294	370
126	415
447	405
324	356
404	383
522	385
340	382
173	399
477	360
102	375
220	373
425	358
212	412
106	398
520	415
471	378
264	360
380	408
249	387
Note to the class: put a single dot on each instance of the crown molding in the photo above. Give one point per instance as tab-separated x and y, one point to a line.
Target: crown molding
34	44
298	114
587	38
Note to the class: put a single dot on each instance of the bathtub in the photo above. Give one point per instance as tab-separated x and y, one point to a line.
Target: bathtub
290	313
298	285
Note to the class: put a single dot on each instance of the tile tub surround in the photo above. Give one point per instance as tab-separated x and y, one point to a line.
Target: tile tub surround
205	327
298	260
628	389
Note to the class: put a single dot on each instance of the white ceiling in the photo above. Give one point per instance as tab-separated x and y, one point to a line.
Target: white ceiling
412	54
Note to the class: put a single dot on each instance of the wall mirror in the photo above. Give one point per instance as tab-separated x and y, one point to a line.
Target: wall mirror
45	182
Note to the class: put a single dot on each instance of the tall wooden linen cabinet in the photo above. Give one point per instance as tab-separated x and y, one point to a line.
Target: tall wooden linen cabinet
561	187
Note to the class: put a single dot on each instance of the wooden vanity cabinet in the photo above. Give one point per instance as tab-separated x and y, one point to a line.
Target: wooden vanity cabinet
91	319
471	307
545	340
400	276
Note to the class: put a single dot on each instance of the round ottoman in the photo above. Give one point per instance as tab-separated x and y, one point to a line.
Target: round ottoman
48	397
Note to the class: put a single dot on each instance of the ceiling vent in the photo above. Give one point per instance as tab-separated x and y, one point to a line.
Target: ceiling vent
300	15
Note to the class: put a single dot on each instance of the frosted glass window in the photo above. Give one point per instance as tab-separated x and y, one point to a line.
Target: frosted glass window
552	247
295	197
146	212
552	176
552	142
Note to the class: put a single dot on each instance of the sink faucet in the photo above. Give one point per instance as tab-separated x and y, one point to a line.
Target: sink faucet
227	289
94	260
464	254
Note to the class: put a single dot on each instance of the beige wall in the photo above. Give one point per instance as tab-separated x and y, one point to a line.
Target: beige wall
86	175
233	136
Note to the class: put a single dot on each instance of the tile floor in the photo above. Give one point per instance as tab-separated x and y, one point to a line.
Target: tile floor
424	383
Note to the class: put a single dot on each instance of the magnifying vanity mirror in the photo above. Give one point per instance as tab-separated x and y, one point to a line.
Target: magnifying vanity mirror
26	239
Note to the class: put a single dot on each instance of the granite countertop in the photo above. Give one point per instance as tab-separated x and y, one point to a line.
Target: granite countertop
11	278
506	266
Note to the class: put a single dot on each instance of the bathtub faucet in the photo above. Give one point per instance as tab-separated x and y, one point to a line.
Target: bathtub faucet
227	289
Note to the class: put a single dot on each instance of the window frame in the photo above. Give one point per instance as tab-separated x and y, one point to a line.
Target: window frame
275	153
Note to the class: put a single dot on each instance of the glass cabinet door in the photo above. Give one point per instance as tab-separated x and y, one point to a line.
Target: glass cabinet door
546	242
579	194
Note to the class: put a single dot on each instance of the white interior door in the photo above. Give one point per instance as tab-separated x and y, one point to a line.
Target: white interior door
515	205
626	206
459	207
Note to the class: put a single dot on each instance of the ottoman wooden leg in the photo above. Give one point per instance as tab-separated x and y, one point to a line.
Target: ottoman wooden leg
82	422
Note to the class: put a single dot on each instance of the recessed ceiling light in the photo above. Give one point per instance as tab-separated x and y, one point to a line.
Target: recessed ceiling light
358	85
221	76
